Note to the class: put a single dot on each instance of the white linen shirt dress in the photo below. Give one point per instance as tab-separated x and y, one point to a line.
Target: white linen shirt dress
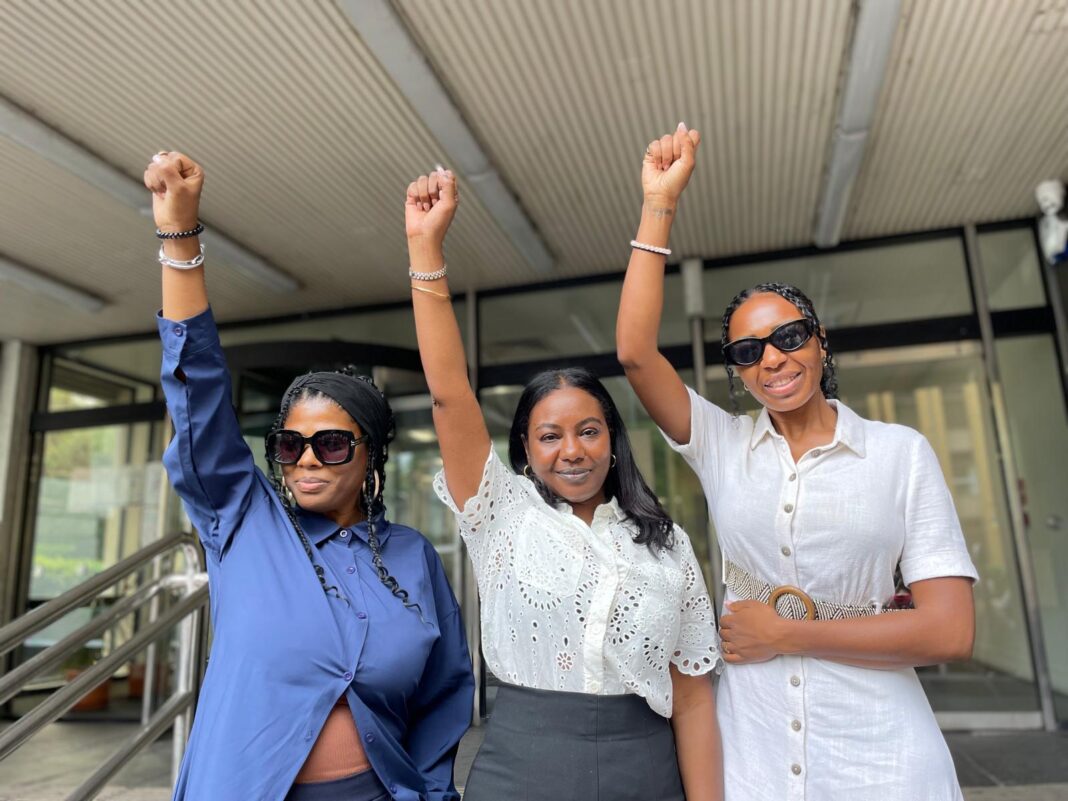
836	524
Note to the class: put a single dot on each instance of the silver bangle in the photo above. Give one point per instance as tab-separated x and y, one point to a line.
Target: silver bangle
177	264
634	243
434	276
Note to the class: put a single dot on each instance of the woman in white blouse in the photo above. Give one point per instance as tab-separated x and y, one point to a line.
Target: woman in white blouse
814	508
594	609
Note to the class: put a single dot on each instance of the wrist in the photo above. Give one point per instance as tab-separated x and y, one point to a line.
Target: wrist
660	203
172	227
788	640
425	253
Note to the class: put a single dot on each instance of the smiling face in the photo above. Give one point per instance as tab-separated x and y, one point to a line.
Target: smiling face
331	490
781	381
569	447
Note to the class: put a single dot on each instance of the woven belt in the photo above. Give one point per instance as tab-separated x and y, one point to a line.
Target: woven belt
791	602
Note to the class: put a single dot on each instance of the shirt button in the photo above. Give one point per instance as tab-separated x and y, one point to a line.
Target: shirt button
370	737
788	508
393	789
350	569
361	615
786	550
344	533
793	476
178	332
816	453
796	725
795	769
795	681
347	676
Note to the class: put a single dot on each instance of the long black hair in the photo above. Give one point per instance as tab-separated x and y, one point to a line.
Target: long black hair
624	481
367	406
829	379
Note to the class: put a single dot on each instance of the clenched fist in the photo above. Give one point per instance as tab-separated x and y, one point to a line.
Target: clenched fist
668	165
430	206
175	181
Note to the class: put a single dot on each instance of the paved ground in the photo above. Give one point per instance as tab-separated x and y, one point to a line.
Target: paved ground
1016	766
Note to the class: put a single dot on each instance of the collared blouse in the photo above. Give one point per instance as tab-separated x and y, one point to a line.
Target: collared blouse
836	523
567	606
284	651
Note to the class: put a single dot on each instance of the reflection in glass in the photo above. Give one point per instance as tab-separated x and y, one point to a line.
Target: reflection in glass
903	281
1011	269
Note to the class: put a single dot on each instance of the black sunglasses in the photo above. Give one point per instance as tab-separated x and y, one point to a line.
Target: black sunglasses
330	446
787	337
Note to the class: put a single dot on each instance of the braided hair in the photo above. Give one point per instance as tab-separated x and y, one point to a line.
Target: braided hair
367	406
829	380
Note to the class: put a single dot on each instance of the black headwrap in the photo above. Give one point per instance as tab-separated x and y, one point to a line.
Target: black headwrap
364	402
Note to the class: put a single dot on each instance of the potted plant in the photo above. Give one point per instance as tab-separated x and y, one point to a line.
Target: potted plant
97	698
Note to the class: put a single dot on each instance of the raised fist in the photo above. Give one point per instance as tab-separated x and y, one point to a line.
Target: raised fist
430	205
668	164
175	181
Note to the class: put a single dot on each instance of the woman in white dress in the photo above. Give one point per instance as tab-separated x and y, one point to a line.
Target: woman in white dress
594	611
815	508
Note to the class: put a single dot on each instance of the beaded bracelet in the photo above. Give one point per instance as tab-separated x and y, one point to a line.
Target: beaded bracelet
177	264
181	234
634	243
434	276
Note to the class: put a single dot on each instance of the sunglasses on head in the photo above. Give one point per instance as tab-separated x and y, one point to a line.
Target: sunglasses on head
787	337
331	446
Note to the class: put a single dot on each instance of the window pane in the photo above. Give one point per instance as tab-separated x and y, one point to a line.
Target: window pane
98	501
566	321
1011	269
907	281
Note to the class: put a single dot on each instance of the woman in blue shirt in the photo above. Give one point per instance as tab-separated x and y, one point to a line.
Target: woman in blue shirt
339	667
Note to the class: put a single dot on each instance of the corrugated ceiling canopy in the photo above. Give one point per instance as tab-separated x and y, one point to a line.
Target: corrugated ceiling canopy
309	143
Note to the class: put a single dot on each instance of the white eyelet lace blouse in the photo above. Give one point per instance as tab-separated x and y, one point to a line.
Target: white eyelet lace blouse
566	606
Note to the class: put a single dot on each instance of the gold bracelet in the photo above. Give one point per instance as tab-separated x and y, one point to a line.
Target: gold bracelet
431	292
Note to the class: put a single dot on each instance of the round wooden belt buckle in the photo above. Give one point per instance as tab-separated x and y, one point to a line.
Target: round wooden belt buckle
797	592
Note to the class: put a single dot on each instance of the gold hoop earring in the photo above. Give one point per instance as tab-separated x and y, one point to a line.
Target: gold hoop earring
613	462
378	485
528	472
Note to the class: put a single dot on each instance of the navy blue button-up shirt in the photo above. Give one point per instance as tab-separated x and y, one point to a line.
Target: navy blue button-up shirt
283	650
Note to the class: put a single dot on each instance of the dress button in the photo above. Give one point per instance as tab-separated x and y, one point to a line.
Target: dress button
796	725
786	550
788	508
793	476
795	769
795	681
350	569
361	615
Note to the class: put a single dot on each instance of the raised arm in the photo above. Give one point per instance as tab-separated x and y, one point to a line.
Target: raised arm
207	461
668	164
462	435
175	181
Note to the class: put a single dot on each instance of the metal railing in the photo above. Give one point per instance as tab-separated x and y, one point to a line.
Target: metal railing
190	586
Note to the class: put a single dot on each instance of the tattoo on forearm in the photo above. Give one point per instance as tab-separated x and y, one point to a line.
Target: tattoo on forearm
661	213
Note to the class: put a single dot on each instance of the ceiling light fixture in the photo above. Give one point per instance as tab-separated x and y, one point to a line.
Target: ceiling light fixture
873	37
385	35
35	281
28	132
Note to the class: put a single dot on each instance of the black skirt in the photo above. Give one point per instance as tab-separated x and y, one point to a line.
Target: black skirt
543	745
